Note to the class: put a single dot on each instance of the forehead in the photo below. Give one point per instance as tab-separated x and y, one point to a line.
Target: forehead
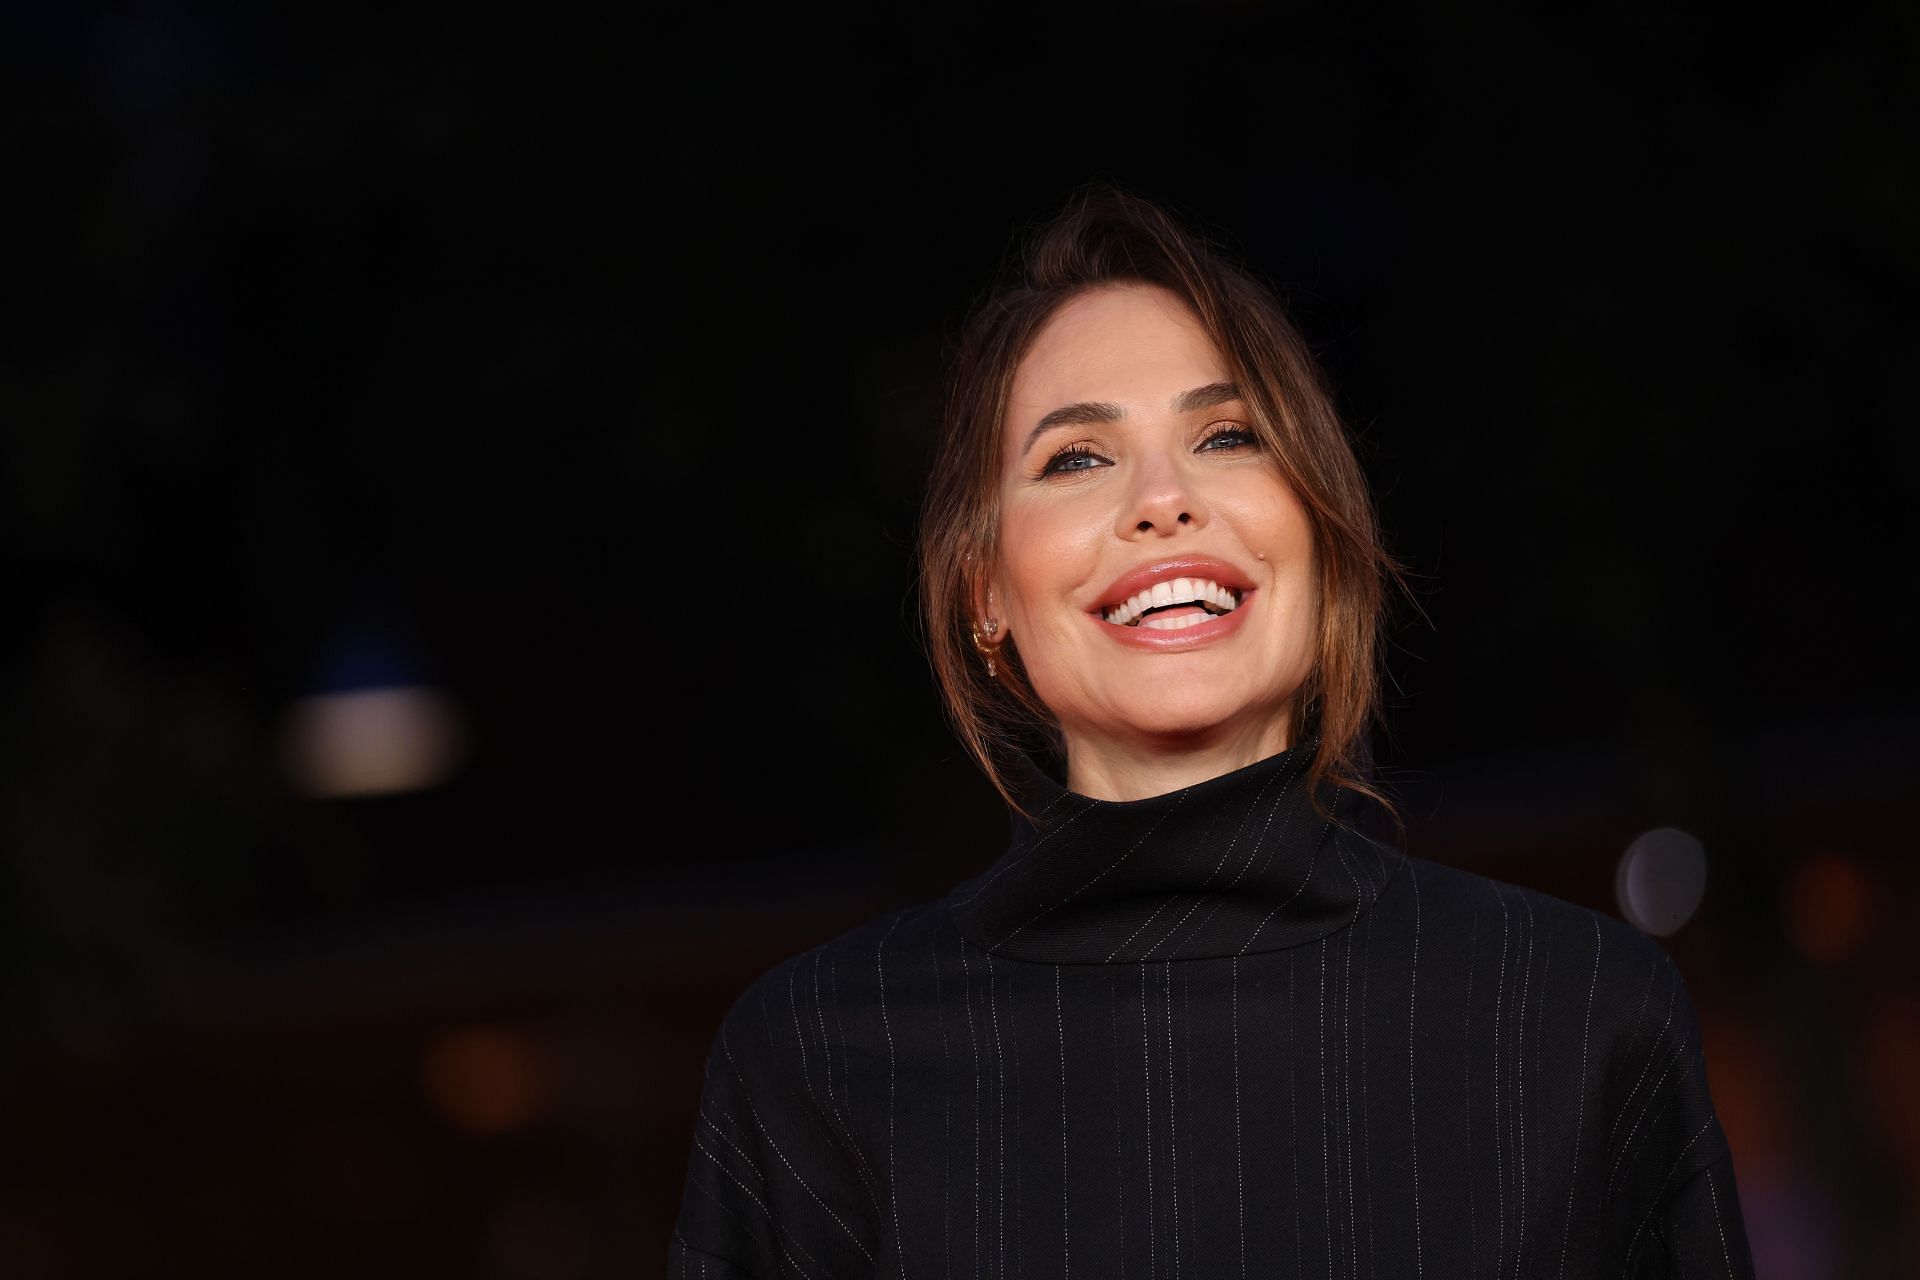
1132	343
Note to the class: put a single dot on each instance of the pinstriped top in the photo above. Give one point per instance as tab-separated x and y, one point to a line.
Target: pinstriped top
1209	1034
1235	865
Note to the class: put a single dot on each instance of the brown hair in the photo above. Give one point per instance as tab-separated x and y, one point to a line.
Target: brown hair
1107	236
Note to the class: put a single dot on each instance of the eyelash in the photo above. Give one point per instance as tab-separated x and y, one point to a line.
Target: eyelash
1052	466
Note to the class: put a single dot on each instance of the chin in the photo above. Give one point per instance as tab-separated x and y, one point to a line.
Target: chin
1175	709
1172	719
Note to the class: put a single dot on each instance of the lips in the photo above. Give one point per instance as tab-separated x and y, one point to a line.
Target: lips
1139	578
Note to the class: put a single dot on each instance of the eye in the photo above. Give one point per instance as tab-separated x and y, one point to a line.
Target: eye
1075	457
1235	435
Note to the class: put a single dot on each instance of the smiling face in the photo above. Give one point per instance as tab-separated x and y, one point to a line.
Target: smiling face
1130	467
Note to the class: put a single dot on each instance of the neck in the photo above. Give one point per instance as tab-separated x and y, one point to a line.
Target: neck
1134	767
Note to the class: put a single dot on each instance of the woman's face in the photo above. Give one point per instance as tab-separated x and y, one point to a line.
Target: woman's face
1131	468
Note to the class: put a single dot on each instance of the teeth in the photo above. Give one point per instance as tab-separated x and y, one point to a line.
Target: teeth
1202	591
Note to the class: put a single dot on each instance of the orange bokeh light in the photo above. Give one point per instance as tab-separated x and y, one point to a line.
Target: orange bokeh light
485	1080
1825	908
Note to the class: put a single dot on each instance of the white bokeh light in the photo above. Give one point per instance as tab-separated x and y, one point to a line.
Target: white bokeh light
372	741
1660	880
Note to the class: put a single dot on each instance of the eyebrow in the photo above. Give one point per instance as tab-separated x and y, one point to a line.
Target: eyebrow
1085	412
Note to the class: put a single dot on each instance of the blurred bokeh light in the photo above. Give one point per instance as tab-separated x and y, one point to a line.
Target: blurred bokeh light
1660	880
487	1079
371	742
1824	907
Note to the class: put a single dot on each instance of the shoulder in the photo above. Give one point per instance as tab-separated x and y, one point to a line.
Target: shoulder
1614	991
1625	1038
1618	986
780	1165
1450	899
832	996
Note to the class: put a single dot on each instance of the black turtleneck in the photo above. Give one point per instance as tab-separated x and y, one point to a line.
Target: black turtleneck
1213	1033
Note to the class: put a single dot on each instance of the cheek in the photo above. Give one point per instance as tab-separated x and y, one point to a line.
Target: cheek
1267	519
1273	525
1046	555
1303	634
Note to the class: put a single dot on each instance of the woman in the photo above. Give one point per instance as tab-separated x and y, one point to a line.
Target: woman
1192	1022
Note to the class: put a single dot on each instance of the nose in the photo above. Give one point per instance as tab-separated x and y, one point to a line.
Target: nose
1161	500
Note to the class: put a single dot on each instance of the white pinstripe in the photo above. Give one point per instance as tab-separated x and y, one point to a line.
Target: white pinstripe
1573	1174
1725	1256
1539	1054
1326	1167
1522	1187
1173	1131
1146	1068
973	1044
1293	1115
1346	1062
1060	1025
1239	1155
1366	1129
1186	1012
1413	1108
893	1178
1019	1165
1473	951
1119	1165
1499	1144
1000	1126
946	1112
794	1005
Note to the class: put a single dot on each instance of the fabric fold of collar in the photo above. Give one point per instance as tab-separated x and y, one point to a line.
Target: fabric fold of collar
1233	865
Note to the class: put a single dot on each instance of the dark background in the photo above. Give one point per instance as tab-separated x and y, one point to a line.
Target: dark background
584	371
